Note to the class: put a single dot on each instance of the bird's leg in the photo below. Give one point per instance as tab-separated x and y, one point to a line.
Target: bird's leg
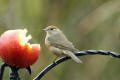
55	59
3	65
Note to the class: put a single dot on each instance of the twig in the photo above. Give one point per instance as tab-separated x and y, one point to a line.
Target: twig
81	53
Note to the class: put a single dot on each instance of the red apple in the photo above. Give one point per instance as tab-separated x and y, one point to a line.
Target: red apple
15	49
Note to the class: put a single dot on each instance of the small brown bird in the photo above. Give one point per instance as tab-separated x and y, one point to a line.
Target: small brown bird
57	42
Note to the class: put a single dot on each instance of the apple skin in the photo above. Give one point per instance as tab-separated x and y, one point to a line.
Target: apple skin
15	52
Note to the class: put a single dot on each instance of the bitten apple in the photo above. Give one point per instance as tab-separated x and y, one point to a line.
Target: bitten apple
15	49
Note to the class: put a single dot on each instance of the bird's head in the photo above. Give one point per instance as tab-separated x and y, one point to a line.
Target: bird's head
52	30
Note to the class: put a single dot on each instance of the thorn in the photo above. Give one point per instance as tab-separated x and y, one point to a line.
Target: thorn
29	69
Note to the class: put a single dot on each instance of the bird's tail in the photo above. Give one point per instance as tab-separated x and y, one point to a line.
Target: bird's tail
73	56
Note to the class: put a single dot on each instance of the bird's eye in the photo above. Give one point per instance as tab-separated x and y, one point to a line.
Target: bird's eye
52	28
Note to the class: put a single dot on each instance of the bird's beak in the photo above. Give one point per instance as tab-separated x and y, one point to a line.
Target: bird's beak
45	29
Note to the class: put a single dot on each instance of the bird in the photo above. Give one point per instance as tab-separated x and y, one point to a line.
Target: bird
58	43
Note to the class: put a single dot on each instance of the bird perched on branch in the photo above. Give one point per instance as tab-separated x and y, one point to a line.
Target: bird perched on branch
57	42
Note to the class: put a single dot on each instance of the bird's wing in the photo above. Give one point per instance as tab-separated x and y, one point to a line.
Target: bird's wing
62	42
65	47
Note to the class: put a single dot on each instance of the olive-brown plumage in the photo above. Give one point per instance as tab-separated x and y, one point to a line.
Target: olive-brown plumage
57	42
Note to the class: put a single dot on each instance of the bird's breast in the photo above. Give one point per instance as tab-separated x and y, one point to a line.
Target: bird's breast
47	42
52	48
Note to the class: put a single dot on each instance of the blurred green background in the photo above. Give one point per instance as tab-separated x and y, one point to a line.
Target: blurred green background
89	24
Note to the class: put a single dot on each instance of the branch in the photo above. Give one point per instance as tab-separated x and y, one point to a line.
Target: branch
14	73
3	65
81	53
